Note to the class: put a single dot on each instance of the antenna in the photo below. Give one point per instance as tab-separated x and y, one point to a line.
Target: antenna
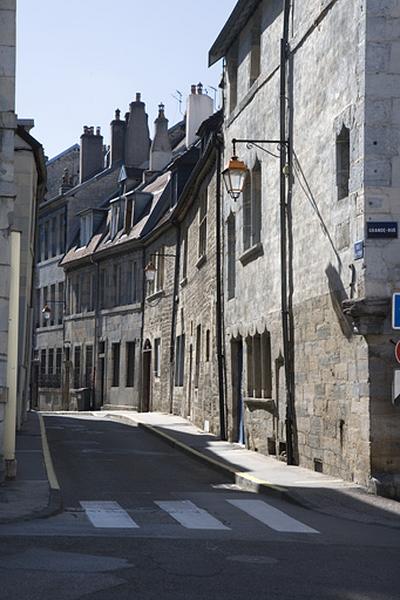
178	98
215	95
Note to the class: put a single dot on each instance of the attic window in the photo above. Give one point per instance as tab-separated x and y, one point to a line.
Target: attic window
128	215
115	210
86	229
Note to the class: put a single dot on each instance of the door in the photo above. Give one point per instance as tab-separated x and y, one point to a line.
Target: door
237	387
146	398
189	404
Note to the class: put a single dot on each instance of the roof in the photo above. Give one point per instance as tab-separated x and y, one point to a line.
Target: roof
237	20
63	153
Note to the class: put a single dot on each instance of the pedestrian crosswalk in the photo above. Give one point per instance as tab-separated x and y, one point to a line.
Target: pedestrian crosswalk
110	515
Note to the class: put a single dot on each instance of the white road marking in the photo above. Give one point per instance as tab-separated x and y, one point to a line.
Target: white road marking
108	514
190	516
274	518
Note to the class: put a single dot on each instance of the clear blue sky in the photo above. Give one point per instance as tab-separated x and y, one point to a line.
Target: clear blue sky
79	60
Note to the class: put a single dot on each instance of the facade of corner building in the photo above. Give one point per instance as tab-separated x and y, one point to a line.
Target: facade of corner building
343	127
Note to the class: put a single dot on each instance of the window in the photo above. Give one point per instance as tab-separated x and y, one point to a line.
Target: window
53	304
259	367
184	255
232	69
58	365
116	285
252	207
38	307
255	53
115	210
103	288
128	215
77	367
91	291
207	345
179	360
89	366
41	243
157	284
46	240
54	236
60	304
42	366
132	282
61	225
130	364
157	357
50	363
343	162
45	301
115	356
198	354
86	228
203	224
231	256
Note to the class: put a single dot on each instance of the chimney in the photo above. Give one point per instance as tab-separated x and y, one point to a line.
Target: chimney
137	138
160	152
92	155
117	138
66	182
199	108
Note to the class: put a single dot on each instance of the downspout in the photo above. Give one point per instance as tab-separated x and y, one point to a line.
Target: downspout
10	417
286	318
140	386
96	316
175	303
219	304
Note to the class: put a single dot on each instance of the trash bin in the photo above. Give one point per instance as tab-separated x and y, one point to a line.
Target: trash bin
83	399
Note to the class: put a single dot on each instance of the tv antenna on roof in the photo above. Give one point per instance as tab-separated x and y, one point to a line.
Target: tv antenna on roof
178	98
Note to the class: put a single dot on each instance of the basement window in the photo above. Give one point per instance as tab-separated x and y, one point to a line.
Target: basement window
343	162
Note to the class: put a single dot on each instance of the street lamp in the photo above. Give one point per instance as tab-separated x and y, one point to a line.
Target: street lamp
235	173
150	271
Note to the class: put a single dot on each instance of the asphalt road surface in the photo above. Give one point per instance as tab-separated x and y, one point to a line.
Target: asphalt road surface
142	520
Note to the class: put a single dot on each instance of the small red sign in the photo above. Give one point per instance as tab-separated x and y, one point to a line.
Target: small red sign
397	351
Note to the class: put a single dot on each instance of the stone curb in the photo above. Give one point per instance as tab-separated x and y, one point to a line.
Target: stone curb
245	481
54	505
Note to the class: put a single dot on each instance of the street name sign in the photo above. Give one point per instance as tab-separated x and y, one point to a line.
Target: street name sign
382	229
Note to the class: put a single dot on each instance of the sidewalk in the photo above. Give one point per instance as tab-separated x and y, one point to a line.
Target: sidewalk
29	495
264	474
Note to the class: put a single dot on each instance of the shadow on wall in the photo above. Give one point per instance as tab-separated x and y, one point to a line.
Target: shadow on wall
338	294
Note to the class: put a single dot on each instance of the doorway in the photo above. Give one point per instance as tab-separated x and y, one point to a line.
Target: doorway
237	390
189	395
146	398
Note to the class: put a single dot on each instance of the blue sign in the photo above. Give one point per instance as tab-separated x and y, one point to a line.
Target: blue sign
382	229
396	310
359	250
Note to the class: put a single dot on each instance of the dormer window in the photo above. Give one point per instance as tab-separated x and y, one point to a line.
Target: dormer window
115	210
86	229
128	214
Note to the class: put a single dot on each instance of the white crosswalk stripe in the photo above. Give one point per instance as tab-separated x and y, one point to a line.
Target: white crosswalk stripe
108	515
190	516
272	517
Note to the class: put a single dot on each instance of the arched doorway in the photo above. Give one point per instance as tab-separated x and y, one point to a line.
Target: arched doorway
146	367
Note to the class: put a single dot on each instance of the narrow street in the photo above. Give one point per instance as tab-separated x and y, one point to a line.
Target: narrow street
143	520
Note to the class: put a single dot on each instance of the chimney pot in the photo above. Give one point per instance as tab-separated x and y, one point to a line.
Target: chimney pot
117	114
98	130
138	96
127	116
193	89
199	88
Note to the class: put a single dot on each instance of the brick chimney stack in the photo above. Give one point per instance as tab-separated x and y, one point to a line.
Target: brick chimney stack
137	138
160	152
118	127
92	153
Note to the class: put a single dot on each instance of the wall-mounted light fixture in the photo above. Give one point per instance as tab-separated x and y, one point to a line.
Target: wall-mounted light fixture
234	174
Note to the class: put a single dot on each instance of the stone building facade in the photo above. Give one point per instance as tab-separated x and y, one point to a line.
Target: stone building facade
7	187
342	129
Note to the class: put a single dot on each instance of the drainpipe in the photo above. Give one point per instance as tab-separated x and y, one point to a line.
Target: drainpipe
10	417
140	386
286	317
219	304
175	303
